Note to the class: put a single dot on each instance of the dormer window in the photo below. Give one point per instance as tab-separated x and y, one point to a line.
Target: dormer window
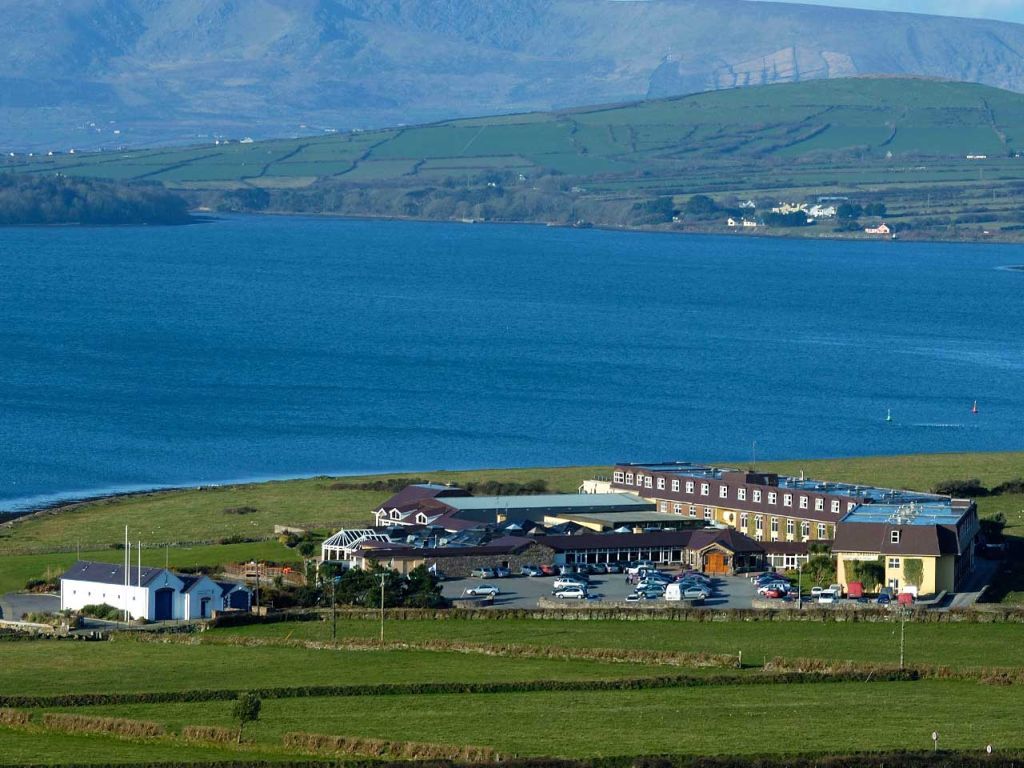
894	537
421	519
394	514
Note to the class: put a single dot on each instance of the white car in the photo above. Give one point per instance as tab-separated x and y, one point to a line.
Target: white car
566	582
781	586
573	593
827	597
816	591
482	590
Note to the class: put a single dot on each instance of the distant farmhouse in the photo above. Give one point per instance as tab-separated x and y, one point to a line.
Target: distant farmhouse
155	594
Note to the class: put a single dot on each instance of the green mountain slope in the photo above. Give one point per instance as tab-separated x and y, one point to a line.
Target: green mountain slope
906	137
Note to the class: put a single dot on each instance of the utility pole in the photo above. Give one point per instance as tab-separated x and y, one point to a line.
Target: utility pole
383	578
799	586
903	635
334	610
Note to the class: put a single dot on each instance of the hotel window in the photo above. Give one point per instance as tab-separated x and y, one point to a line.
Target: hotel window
705	489
850	505
693	510
741	494
805	530
775	525
709	513
689	486
629	478
647	481
618	476
677	508
894	562
835	506
819	505
787	499
759	522
723	491
675	486
663	506
821	530
790	527
894	537
661	483
803	502
772	497
744	520
757	497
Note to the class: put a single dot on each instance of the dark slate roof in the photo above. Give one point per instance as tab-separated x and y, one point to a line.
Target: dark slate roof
108	573
504	545
227	587
931	540
728	538
788	547
412	496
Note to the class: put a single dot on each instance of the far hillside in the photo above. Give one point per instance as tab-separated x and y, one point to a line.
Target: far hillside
940	157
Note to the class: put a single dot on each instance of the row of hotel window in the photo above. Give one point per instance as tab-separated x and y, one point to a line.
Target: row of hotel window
709	514
647	481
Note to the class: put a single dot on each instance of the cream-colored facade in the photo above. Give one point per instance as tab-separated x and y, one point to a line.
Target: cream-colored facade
938	573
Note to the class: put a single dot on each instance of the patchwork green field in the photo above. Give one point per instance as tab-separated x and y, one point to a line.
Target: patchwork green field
906	141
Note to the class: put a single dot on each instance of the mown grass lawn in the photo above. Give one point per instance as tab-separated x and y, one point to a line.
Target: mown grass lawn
125	666
956	645
723	720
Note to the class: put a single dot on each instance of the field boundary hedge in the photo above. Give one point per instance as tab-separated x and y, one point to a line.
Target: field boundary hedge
406	750
778	677
110	726
988	615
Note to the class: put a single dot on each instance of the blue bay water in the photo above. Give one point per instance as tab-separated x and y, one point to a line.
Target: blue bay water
268	347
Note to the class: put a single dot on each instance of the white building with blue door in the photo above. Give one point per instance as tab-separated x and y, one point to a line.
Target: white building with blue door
155	594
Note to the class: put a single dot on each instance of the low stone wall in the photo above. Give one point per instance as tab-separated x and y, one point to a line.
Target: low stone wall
548	603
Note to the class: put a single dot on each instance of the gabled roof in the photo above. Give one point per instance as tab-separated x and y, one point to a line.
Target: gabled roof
413	495
696	540
930	540
110	573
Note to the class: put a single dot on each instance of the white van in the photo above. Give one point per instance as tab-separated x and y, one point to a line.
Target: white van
827	596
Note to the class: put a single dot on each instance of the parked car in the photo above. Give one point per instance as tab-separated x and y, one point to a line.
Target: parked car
482	590
613	568
647	584
634	597
549	570
502	572
565	582
775	594
775	586
766	576
827	596
575	593
531	570
598	568
482	573
884	599
696	593
816	591
636	566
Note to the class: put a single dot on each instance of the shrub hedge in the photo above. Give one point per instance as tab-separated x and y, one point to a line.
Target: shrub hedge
14	717
116	726
404	750
208	733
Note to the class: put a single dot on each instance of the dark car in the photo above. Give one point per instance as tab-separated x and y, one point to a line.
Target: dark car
613	568
884	599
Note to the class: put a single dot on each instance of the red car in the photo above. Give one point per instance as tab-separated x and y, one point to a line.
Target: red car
549	570
774	594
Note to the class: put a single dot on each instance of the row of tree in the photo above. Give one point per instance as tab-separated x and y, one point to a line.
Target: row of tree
45	200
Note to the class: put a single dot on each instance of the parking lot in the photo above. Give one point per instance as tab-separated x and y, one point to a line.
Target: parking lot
523	592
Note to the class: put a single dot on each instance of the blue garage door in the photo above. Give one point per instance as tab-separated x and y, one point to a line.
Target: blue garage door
164	604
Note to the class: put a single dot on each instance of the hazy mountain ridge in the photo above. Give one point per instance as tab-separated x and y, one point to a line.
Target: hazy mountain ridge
172	70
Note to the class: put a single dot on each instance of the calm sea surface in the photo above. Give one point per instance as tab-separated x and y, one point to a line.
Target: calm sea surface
265	347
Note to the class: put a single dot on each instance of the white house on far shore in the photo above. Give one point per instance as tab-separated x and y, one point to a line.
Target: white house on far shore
156	594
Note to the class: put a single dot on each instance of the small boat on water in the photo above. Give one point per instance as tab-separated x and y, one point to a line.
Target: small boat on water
888	414
974	408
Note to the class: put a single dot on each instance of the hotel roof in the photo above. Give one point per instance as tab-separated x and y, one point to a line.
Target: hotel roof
578	501
927	513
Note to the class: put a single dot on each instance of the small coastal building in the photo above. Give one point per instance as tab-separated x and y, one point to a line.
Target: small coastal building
881	229
155	594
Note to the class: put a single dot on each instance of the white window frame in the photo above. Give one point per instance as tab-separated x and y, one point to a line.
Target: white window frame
819	505
805	530
629	478
648	481
618	477
705	489
758	522
689	486
822	531
723	491
894	537
803	502
790	526
709	513
693	510
835	506
894	563
773	497
744	520
675	485
774	525
757	496
677	508
741	494
661	483
787	499
663	506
